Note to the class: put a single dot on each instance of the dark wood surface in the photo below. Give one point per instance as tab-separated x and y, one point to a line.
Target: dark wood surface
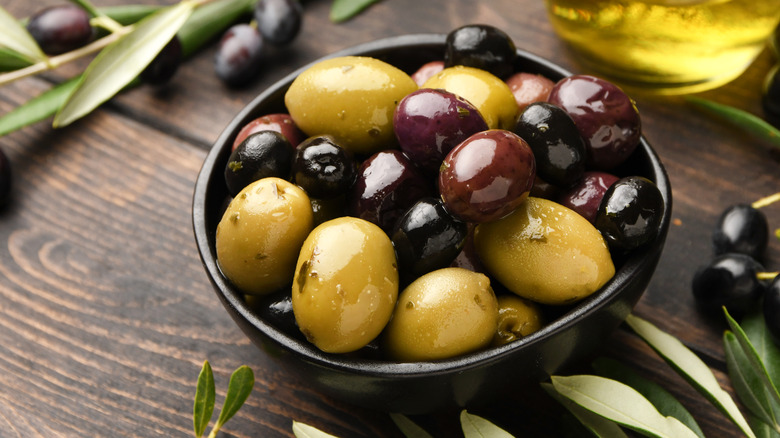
106	315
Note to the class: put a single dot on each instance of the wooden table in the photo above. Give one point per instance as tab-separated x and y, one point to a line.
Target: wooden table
106	315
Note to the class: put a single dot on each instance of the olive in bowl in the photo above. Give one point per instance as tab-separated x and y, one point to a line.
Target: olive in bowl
422	386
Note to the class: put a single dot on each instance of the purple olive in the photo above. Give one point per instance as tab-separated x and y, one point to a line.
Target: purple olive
606	117
281	123
279	21
387	185
487	176
59	29
428	123
238	56
585	197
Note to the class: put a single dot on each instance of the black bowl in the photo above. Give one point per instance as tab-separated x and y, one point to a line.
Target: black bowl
474	379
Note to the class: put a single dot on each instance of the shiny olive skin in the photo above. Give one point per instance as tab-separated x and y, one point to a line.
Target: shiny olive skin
443	314
323	168
487	176
279	122
585	196
729	280
275	308
345	284
427	238
771	309
630	213
164	65
528	88
387	185
606	117
557	145
60	29
261	155
481	46
517	318
238	56
426	71
279	21
741	228
428	123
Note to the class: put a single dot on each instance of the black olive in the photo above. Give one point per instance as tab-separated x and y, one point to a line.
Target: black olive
481	46
729	280
558	147
164	65
5	178
772	309
323	168
276	308
427	238
261	155
239	55
279	21
630	213
743	229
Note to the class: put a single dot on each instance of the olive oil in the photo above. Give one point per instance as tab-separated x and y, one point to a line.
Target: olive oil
670	45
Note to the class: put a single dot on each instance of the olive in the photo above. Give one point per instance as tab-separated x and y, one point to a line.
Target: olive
545	252
238	56
345	284
276	308
428	123
467	258
426	71
630	213
260	234
771	309
164	65
279	21
585	196
489	94
60	29
543	189
487	176
327	209
323	168
606	117
517	318
443	314
387	185
5	178
351	98
261	155
528	88
427	238
557	145
279	122
729	280
741	228
480	46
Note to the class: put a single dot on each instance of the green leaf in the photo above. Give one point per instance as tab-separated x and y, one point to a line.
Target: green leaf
761	429
596	424
37	108
409	428
665	402
739	118
128	14
475	426
620	403
203	407
755	328
15	37
11	60
747	384
119	63
241	383
87	6
690	367
210	21
342	10
302	430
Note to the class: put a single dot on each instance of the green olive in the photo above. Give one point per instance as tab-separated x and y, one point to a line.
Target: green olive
345	284
351	98
517	318
442	314
489	94
545	252
260	234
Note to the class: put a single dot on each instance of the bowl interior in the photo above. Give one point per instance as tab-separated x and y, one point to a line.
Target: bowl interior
408	53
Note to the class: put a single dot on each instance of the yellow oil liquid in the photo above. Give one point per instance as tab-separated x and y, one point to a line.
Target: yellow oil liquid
671	46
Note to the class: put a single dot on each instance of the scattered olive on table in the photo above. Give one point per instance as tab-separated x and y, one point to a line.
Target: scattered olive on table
59	29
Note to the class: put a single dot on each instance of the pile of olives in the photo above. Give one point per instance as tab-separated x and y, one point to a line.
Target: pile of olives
424	216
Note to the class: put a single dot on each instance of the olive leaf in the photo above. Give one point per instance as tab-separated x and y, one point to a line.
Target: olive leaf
761	429
620	403
342	10
242	381
39	107
12	60
302	430
665	402
596	424
210	20
475	426
756	330
119	63
15	37
690	367
203	407
409	428
740	118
